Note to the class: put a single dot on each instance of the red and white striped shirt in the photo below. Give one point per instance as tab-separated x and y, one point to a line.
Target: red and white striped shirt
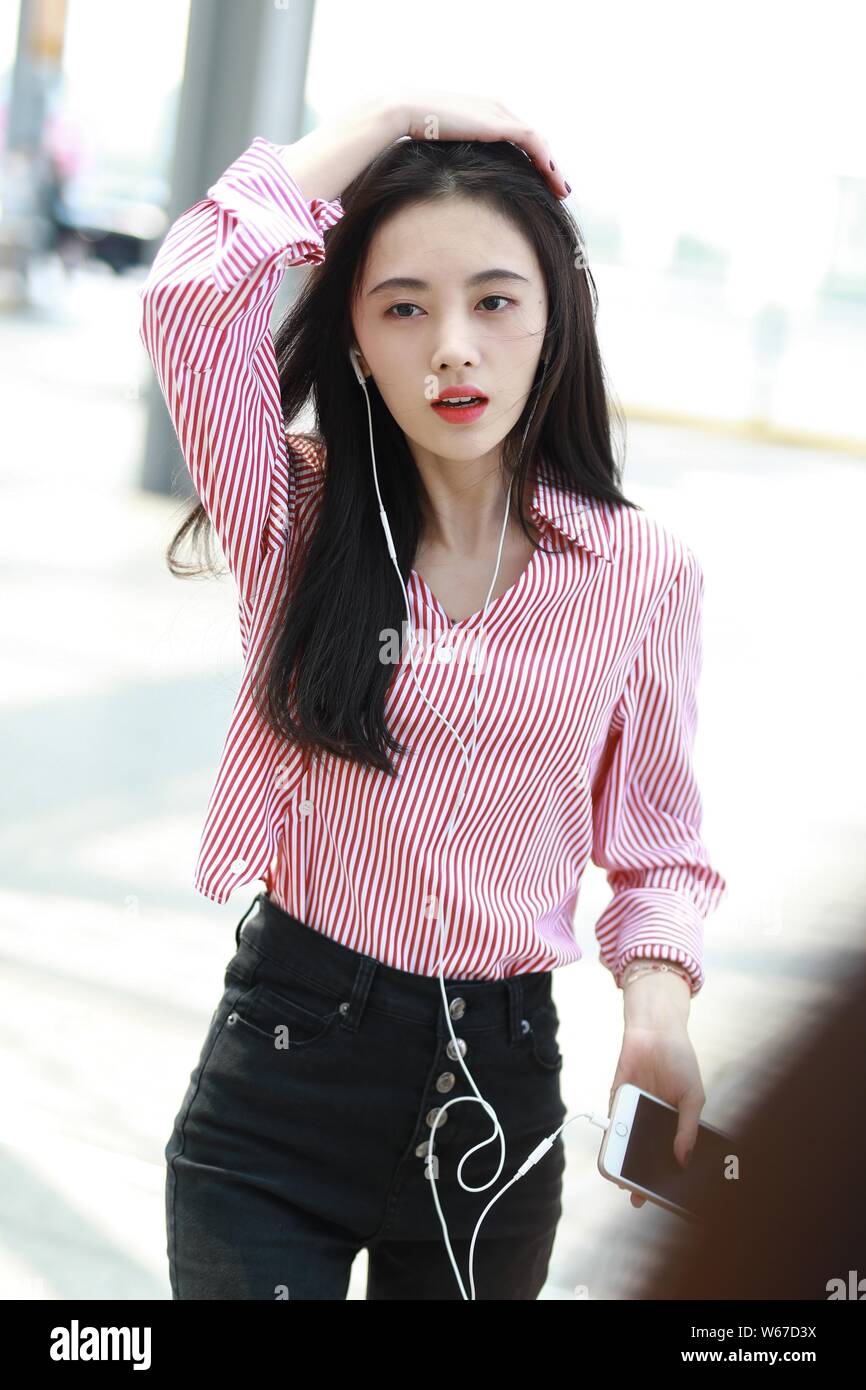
587	703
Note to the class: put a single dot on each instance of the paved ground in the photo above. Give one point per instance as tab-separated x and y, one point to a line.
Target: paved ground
117	685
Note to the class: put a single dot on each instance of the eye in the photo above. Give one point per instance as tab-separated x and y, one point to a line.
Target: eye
503	297
390	313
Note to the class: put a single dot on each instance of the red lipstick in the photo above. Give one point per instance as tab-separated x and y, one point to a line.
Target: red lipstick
474	403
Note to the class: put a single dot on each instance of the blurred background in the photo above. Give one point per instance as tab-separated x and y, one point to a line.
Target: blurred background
718	169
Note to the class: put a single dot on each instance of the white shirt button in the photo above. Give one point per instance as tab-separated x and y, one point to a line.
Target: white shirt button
305	808
238	866
445	654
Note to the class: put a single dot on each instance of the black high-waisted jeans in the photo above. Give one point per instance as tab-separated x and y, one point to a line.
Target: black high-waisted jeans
302	1135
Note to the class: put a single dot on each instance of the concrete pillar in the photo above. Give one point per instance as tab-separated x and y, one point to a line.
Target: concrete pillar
245	75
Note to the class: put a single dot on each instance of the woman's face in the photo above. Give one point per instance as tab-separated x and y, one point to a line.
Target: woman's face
477	319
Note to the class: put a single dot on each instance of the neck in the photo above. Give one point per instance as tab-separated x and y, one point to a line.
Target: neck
464	517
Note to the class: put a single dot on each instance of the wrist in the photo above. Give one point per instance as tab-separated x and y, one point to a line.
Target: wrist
386	118
395	117
328	158
657	998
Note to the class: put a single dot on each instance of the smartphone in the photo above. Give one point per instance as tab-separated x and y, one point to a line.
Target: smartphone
637	1152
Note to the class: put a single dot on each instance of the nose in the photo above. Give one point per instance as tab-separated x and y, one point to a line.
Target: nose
455	345
448	357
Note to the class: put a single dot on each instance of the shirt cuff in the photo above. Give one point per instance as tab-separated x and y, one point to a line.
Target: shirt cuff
264	215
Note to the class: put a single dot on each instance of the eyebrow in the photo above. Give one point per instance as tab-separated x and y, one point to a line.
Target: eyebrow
408	282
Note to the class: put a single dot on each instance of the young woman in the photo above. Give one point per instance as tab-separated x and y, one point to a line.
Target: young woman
559	635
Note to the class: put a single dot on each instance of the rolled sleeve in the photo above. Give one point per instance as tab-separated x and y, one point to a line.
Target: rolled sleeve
206	307
647	808
264	215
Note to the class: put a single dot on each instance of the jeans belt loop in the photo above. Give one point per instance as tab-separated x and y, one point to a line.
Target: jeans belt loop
515	1008
240	924
351	1017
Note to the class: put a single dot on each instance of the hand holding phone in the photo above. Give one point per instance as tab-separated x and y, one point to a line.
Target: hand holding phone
637	1153
658	1056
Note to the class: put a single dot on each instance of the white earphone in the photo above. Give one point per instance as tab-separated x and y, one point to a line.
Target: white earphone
546	1144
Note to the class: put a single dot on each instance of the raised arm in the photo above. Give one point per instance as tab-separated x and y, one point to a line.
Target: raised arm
205	321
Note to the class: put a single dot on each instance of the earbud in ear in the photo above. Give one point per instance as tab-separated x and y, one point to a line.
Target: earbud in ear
356	365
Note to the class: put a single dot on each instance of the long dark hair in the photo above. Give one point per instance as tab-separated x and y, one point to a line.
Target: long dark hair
322	683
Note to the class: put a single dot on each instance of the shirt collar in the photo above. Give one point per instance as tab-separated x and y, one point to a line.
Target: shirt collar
578	516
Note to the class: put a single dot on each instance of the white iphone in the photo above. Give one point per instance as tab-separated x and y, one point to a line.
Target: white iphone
637	1152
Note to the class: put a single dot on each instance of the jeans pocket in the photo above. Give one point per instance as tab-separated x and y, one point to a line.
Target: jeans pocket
292	1015
209	1049
544	1037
